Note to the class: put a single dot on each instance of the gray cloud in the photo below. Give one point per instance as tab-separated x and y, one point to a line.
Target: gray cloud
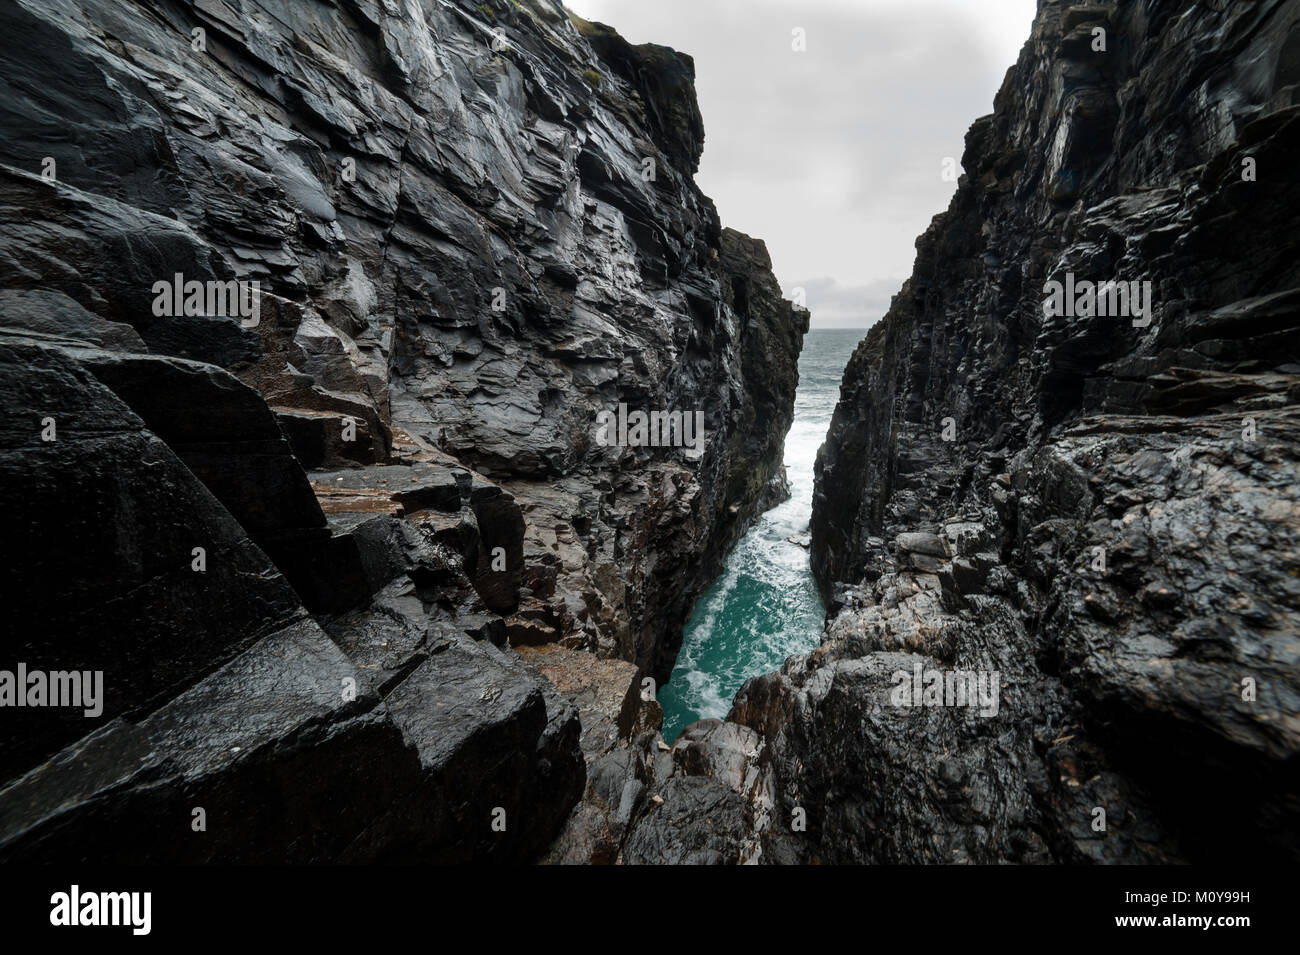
840	306
833	156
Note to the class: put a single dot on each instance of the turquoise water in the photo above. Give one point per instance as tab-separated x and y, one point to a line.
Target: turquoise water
765	606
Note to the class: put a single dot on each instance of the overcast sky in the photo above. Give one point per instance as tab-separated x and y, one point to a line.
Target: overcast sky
833	156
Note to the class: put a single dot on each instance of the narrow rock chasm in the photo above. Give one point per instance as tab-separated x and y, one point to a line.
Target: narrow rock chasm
349	351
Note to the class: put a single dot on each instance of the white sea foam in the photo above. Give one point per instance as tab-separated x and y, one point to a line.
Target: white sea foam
764	606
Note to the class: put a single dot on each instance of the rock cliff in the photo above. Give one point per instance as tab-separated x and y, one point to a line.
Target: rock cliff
1097	505
306	535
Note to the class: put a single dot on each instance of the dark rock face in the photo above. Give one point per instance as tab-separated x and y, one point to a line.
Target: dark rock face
703	801
398	740
472	227
100	576
1100	509
457	236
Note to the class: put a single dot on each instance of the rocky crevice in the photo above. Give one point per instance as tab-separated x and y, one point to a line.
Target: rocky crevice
1099	508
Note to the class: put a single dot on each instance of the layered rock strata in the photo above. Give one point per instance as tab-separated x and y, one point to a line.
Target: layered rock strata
301	533
1059	546
1099	508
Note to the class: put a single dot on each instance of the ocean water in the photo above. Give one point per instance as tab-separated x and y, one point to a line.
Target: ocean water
764	607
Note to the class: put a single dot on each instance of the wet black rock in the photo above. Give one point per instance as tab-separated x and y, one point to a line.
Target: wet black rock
703	801
219	692
471	227
107	518
1100	509
458	238
1059	553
